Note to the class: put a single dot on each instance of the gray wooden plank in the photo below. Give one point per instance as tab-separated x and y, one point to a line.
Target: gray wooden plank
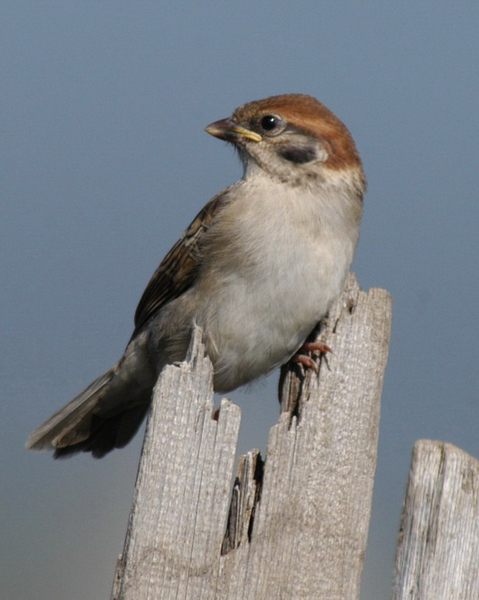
438	550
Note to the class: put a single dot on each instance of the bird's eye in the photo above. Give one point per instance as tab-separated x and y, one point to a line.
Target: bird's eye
269	122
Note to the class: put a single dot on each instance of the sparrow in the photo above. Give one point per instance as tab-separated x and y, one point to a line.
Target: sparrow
257	269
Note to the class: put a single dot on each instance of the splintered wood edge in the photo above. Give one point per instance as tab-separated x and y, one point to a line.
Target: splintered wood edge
240	508
244	497
295	380
294	392
218	442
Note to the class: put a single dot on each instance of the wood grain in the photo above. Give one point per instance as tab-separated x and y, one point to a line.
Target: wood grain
438	550
295	526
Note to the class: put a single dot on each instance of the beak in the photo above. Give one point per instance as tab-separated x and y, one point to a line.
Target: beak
228	130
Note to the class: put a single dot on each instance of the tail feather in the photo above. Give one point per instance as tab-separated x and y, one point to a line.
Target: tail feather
62	428
106	434
107	414
104	416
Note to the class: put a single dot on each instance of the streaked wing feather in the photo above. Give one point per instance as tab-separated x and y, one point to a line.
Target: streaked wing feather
177	272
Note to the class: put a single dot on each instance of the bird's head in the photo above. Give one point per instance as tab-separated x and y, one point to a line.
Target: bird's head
293	138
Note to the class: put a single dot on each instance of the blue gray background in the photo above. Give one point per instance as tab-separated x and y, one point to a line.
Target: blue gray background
105	162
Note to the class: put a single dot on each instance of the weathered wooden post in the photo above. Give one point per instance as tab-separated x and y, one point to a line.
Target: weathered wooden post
295	526
438	550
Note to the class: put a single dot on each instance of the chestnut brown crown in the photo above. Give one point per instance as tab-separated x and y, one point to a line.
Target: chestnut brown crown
306	114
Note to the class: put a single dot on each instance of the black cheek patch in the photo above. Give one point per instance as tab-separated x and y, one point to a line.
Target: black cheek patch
299	155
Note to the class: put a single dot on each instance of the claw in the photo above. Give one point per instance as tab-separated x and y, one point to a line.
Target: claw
307	361
315	347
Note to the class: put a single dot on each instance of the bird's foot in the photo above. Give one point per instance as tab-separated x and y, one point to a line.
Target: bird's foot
307	361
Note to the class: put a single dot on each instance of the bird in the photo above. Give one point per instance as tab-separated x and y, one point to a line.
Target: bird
257	269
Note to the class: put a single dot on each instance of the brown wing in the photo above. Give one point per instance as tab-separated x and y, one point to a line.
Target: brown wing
178	270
